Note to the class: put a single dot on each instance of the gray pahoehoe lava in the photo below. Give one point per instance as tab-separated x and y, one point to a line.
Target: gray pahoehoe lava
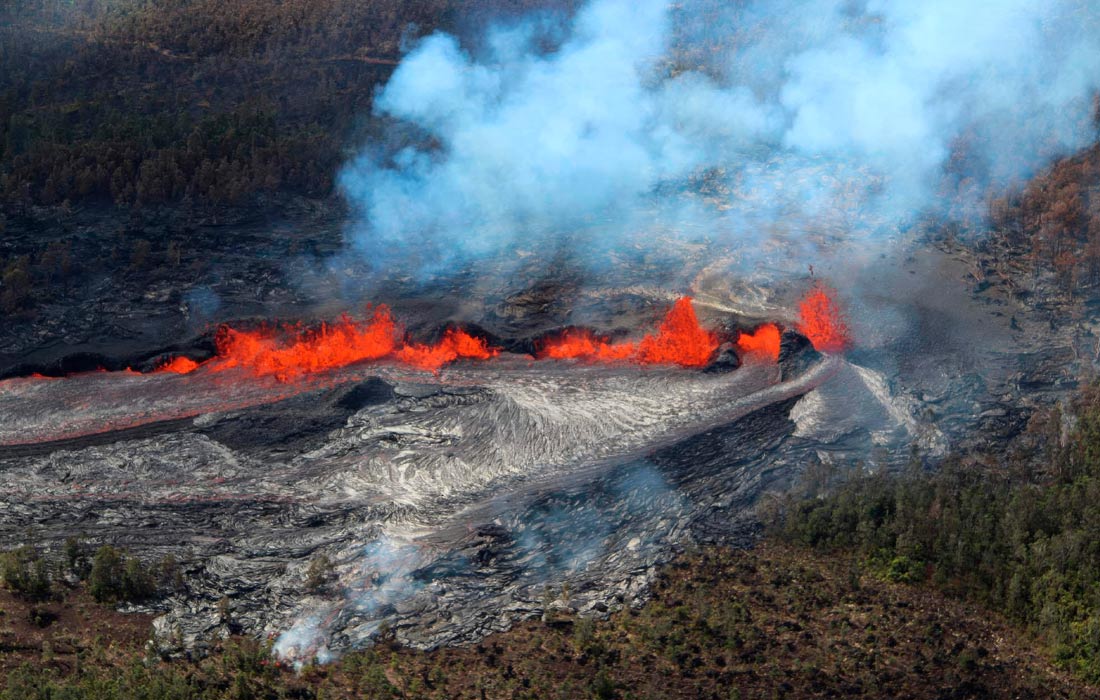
469	491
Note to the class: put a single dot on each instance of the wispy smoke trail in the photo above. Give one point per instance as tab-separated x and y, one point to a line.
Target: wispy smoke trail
725	121
381	576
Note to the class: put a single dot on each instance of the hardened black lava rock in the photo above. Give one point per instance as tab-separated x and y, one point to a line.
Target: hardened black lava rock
796	354
725	360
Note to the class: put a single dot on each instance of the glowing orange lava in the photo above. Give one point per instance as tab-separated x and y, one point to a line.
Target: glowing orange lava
574	343
264	353
179	365
456	343
822	320
764	341
289	353
679	340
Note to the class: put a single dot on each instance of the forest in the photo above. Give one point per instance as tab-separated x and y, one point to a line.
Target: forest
1013	530
140	103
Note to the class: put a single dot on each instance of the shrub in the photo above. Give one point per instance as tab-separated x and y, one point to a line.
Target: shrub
25	573
319	574
603	688
15	286
41	617
901	569
115	578
75	556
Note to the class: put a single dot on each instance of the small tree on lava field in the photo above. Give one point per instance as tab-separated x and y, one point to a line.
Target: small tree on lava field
320	573
116	577
25	573
75	558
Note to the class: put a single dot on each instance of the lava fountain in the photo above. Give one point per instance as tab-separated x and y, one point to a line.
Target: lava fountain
260	366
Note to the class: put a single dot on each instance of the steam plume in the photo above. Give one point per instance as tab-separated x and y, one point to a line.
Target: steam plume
787	114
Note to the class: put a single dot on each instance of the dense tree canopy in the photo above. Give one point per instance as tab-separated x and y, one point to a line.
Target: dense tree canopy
142	102
1014	530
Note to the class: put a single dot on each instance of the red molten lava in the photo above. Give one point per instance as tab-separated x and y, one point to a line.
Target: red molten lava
764	341
290	353
456	343
309	352
179	365
822	320
679	340
575	343
267	353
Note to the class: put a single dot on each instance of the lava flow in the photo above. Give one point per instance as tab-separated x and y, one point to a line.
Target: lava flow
679	340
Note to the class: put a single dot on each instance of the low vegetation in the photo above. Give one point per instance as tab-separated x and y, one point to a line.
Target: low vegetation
776	622
112	576
24	572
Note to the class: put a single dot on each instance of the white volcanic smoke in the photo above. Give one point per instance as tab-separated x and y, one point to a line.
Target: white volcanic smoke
798	109
381	577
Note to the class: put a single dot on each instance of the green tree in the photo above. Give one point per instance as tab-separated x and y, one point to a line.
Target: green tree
15	286
105	579
75	556
25	573
320	573
116	577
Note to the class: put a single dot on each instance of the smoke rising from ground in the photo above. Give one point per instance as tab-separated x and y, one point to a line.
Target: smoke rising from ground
382	576
730	123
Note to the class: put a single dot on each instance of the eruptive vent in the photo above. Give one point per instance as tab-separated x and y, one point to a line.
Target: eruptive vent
456	343
679	340
289	353
264	353
822	320
344	343
179	365
763	341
